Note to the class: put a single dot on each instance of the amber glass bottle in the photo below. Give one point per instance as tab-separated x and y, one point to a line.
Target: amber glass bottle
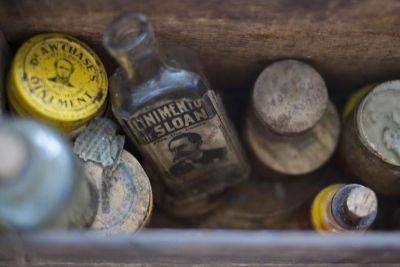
172	115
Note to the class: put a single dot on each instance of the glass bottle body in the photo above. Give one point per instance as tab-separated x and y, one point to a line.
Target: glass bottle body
180	127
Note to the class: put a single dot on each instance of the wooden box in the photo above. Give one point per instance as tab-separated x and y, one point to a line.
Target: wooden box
350	42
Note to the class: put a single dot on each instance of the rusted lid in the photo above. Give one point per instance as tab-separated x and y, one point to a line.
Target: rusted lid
290	97
378	121
125	196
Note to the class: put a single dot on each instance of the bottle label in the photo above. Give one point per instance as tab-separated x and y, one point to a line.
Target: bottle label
189	142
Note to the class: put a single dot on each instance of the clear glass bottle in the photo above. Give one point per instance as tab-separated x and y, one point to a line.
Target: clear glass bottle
42	185
171	114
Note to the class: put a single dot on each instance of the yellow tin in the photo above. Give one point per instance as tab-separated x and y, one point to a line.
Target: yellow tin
58	80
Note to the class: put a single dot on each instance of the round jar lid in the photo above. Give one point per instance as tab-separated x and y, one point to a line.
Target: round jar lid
125	197
378	121
57	79
290	97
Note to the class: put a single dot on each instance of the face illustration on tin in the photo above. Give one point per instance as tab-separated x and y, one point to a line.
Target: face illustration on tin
187	153
64	70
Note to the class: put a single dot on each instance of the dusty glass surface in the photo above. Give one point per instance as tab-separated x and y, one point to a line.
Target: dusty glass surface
170	112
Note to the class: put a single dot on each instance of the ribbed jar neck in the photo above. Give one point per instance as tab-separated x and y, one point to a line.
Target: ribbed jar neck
130	40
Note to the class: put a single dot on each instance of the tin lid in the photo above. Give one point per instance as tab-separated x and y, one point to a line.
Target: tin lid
125	195
57	79
289	97
378	121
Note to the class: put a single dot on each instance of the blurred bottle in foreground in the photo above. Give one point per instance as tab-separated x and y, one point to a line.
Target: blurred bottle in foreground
343	208
173	116
41	183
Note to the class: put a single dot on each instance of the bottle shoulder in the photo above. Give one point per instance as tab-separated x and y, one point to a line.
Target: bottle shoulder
170	83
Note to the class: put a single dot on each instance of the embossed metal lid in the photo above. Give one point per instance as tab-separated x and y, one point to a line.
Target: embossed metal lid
289	97
378	121
57	79
125	195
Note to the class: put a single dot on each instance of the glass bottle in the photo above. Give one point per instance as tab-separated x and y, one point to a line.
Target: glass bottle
42	185
171	114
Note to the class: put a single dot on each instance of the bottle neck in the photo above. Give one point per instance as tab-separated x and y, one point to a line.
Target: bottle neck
141	64
130	40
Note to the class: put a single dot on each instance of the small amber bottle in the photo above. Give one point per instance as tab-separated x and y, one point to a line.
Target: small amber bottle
342	208
291	128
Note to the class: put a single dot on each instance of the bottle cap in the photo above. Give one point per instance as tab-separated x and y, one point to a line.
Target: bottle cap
290	97
57	79
354	207
378	121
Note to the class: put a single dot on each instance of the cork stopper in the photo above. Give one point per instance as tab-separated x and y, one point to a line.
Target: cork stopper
13	156
378	121
360	203
289	97
354	207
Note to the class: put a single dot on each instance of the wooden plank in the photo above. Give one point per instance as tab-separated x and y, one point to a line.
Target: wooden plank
207	248
350	42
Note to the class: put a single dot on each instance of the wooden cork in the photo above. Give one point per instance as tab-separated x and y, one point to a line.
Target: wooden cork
361	203
289	97
354	207
370	145
291	127
294	154
13	156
